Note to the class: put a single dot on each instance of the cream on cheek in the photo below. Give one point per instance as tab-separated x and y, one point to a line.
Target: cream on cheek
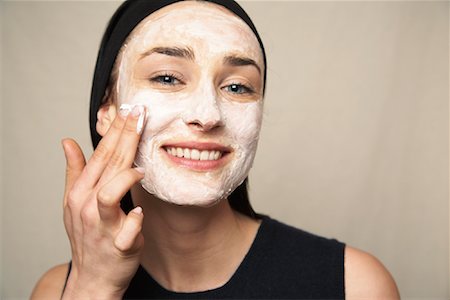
245	134
162	109
245	131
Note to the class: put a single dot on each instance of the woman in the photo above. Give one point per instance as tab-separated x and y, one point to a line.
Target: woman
177	103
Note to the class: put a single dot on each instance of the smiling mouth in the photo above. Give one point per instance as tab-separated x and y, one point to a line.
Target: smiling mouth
198	156
194	154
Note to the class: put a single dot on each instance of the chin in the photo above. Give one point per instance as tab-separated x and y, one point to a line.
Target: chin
199	203
202	196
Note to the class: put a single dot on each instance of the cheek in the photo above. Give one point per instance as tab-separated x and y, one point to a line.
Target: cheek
162	109
244	131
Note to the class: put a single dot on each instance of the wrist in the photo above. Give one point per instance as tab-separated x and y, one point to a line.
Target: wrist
76	290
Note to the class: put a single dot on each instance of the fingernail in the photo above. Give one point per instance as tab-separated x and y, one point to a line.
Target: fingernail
137	210
125	109
139	111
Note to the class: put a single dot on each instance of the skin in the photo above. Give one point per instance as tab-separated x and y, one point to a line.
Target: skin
187	248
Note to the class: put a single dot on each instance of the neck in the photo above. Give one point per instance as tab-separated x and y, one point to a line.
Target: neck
190	248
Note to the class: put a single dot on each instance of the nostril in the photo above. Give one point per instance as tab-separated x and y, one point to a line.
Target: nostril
196	125
205	126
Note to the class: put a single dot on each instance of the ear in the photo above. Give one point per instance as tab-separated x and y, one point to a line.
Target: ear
105	116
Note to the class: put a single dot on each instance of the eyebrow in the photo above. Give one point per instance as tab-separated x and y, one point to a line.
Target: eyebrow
186	52
237	61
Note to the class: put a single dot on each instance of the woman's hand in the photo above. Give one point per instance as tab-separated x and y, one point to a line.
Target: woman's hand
106	243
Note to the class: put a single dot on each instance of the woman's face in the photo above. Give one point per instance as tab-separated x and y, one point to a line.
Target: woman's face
198	69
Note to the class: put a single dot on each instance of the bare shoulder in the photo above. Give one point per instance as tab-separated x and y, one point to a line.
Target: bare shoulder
366	277
51	284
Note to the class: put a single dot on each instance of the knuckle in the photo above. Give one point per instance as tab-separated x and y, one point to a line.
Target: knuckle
72	199
101	152
117	124
88	215
126	247
117	159
121	246
130	128
105	198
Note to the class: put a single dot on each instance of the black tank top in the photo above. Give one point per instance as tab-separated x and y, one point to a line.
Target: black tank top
283	263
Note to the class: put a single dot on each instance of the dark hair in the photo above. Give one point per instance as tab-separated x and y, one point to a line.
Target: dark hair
124	20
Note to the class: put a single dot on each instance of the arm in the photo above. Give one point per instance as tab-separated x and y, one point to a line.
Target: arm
367	278
51	284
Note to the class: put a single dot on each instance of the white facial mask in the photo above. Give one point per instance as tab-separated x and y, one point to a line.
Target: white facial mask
195	116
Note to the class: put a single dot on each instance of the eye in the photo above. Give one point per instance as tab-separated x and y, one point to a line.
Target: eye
166	79
237	88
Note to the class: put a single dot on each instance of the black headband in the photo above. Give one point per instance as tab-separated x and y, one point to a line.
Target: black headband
124	20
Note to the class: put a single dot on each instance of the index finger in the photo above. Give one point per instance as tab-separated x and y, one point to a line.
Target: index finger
105	148
125	150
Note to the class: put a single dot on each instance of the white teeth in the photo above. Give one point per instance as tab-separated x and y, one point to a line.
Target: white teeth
204	155
211	155
194	154
180	152
217	155
187	153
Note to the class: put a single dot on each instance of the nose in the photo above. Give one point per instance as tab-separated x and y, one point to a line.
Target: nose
203	112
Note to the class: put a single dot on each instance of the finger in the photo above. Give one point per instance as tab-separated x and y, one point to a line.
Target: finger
109	196
125	151
75	163
104	149
128	238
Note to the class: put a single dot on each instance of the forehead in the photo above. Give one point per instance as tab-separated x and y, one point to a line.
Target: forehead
203	26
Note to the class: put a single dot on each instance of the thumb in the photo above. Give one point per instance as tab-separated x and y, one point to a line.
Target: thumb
75	163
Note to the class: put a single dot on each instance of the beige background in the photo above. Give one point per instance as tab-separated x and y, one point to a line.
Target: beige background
354	144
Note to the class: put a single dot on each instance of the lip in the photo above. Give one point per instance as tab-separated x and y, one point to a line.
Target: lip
198	165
